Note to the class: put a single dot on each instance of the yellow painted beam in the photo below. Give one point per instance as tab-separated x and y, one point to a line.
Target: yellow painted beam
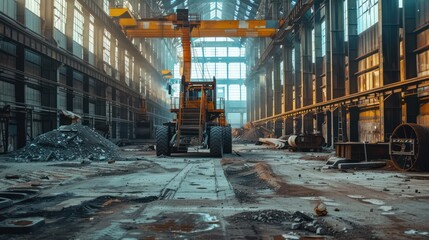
118	12
227	28
126	19
173	33
237	24
127	22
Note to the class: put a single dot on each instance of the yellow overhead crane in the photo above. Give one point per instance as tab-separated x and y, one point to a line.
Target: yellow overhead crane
184	26
199	121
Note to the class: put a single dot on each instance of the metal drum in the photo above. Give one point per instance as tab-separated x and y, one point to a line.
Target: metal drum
409	147
306	142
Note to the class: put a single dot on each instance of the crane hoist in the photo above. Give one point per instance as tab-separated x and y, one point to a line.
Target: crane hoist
200	116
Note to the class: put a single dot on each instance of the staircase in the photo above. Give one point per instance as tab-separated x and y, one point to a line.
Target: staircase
190	122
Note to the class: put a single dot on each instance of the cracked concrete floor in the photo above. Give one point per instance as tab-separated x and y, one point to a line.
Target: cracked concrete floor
259	193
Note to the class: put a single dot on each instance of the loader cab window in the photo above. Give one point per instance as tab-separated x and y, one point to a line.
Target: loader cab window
194	94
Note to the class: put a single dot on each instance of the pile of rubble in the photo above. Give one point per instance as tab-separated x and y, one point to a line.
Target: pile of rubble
249	133
68	143
298	221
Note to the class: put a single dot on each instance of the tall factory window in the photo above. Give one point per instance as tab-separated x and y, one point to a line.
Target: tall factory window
196	71
197	51
234	52
323	30
8	7
422	12
221	91
243	93
33	6
221	52
116	59
423	56
33	96
132	72
346	21
243	70
209	70
91	34
60	15
234	71
78	24
106	52
367	14
7	91
234	92
32	15
313	47
209	51
127	68
369	79
221	70
33	62
106	6
293	59
423	63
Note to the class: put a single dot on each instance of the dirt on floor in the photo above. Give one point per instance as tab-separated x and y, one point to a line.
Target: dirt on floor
258	193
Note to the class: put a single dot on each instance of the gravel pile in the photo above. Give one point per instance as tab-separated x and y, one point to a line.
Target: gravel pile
263	216
68	143
298	222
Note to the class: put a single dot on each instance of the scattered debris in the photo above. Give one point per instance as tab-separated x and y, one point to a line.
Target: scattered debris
373	201
250	133
69	142
139	148
302	216
320	209
278	143
21	225
316	157
12	176
236	153
85	162
306	142
361	165
291	236
415	232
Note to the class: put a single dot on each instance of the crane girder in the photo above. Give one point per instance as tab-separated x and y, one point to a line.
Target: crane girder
198	32
185	26
170	27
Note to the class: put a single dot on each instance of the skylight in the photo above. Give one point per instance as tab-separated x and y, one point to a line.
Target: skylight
216	10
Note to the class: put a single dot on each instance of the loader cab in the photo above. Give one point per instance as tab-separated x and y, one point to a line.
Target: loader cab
195	91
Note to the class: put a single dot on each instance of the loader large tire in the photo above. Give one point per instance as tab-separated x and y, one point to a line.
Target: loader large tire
162	141
216	145
227	140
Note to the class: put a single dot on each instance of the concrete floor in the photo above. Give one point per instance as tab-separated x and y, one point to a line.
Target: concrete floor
256	193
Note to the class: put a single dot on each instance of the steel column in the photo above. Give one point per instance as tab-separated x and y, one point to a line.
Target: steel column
353	42
20	96
306	76
410	44
288	84
269	91
277	95
297	80
390	106
318	63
